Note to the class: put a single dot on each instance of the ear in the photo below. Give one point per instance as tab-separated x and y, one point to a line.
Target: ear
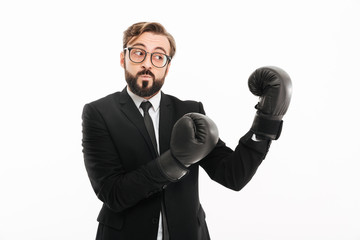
122	59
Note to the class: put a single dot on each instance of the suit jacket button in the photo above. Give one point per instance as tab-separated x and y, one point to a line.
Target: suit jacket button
154	220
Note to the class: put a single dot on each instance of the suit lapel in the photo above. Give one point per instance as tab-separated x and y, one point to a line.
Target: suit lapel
132	113
166	122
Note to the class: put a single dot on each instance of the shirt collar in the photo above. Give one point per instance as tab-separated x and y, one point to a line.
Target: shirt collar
155	100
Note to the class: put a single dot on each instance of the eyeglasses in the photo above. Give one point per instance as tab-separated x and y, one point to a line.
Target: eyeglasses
138	55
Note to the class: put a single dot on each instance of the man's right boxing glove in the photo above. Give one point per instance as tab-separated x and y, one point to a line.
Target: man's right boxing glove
192	138
273	86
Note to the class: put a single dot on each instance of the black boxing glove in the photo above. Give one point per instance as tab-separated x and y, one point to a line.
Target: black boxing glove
192	138
273	86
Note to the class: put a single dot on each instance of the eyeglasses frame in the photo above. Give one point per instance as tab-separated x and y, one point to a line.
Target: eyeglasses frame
168	58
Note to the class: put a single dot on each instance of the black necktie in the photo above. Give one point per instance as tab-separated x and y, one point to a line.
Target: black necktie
150	128
148	123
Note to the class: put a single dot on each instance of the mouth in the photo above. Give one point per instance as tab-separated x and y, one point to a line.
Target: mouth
145	77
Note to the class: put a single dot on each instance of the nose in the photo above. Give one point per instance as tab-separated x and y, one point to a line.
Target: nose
147	62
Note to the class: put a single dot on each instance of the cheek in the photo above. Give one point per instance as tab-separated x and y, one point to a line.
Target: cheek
129	66
161	73
165	74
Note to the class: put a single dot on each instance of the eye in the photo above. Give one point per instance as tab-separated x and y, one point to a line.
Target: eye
138	52
158	56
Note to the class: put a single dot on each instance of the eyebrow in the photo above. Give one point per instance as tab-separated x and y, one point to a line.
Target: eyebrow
143	45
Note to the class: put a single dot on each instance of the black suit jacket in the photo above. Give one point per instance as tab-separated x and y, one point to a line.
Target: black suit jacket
119	159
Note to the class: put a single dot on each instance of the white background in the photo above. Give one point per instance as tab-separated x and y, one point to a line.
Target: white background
58	55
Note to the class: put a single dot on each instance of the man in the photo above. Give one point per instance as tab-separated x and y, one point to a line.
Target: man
143	161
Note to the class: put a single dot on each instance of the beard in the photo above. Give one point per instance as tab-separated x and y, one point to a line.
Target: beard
142	89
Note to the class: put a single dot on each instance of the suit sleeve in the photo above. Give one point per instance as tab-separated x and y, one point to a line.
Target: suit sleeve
235	168
118	189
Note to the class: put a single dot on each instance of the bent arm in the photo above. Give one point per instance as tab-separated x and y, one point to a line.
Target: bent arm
234	169
114	186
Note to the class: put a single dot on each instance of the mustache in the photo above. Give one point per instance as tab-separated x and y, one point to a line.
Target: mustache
145	72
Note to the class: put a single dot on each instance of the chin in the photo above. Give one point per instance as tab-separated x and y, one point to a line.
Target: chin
145	84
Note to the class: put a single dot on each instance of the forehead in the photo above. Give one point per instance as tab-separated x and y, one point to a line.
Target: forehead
151	41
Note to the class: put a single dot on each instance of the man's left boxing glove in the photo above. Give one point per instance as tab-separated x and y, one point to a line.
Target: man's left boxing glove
274	88
192	138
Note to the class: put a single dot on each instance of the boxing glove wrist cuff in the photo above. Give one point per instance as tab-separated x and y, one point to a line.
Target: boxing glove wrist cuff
172	169
266	128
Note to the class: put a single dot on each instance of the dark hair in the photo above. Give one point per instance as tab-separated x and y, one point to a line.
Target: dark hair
135	30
